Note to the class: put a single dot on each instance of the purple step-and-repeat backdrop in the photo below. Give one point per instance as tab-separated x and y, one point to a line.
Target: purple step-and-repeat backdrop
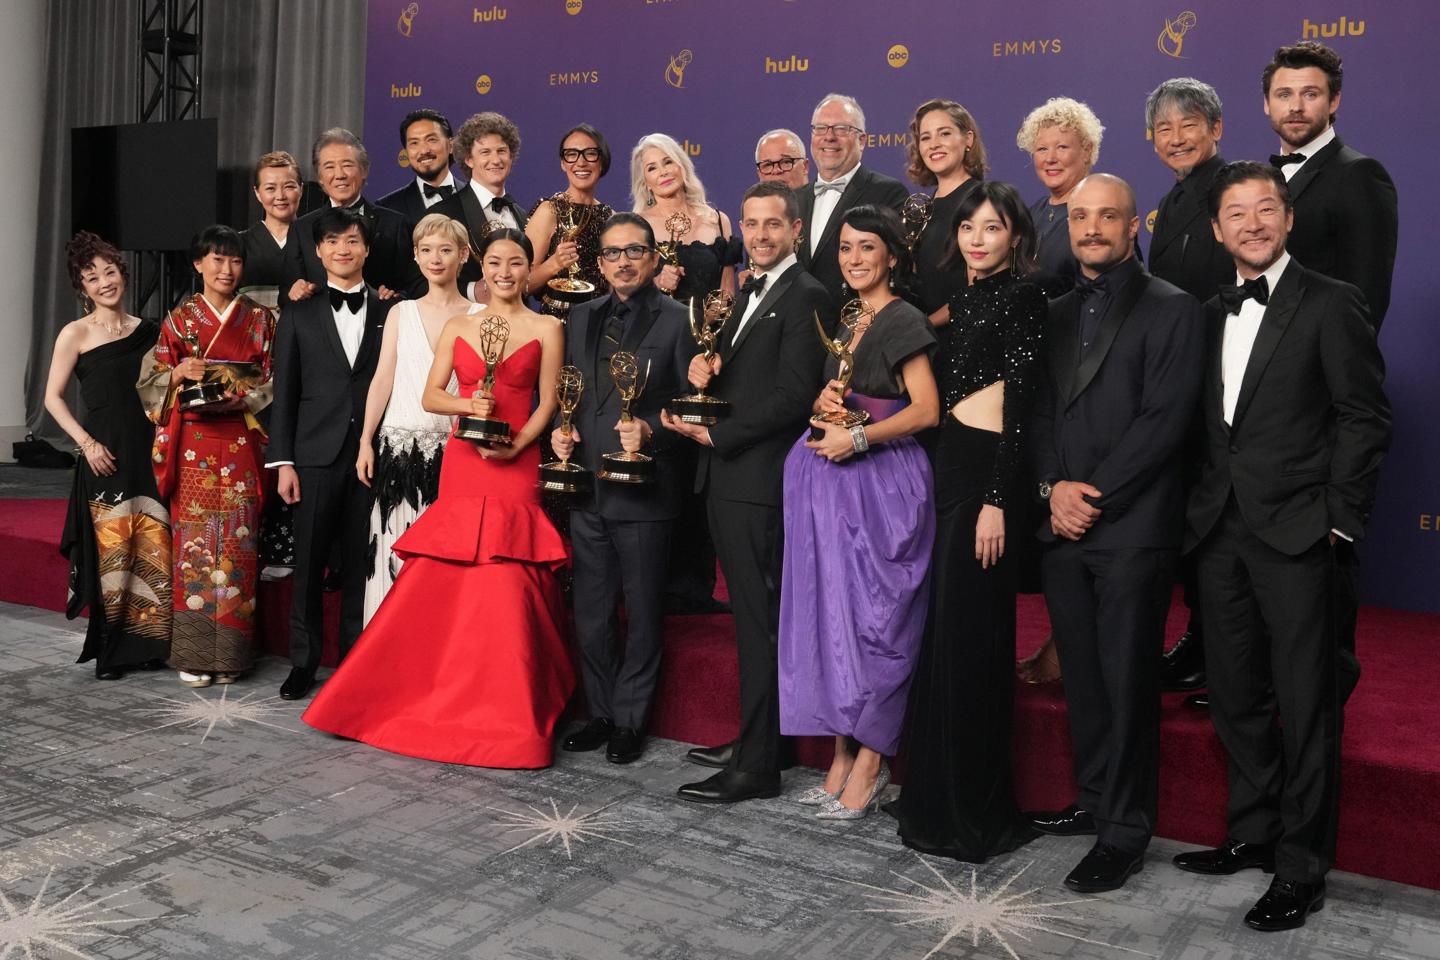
715	74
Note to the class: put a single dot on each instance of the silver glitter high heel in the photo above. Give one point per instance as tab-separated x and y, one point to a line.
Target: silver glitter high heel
819	796
835	810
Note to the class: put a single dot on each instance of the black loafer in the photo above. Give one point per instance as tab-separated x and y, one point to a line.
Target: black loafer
717	757
1070	822
297	685
732	786
1104	868
108	673
592	736
1182	667
1230	857
626	745
1286	905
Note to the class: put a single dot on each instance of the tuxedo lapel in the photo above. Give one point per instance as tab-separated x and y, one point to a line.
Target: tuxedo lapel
1115	318
325	318
1278	314
376	310
475	220
848	199
1065	348
767	303
1312	168
805	201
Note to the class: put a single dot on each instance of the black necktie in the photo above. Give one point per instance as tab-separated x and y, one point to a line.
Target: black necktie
355	301
755	283
442	192
1257	290
614	331
1283	160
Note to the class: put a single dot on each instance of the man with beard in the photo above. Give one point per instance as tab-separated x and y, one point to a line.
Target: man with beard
1115	403
1296	423
425	136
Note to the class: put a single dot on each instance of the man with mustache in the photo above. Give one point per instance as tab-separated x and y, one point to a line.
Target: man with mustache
1115	403
425	137
1296	423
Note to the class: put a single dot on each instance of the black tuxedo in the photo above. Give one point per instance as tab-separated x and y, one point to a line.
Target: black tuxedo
1346	222
465	206
390	262
1183	249
1300	457
1115	416
409	202
621	534
315	423
770	375
866	186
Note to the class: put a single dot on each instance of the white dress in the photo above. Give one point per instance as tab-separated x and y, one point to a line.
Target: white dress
407	459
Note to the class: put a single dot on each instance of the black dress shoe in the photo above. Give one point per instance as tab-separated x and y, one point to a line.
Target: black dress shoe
1286	905
732	786
1070	822
297	685
1104	868
1182	667
626	745
156	664
1198	701
1230	857
718	757
108	673
592	736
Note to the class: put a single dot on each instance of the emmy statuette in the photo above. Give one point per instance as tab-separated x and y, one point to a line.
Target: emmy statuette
623	467
562	476
564	291
698	407
494	330
855	317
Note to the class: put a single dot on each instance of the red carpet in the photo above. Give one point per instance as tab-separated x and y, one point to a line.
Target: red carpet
1389	824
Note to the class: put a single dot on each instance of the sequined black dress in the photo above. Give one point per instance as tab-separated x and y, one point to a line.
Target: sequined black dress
958	799
587	241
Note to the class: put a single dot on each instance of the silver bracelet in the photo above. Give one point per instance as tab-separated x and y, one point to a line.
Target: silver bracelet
858	438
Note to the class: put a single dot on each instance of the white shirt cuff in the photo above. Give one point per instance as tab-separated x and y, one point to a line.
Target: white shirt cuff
1342	535
279	463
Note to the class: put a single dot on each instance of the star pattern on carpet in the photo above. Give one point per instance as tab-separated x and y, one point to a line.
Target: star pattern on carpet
548	827
211	712
996	913
58	928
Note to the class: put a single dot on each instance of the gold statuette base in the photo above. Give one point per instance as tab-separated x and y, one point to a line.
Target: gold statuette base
627	468
562	293
483	430
700	409
846	420
200	394
562	476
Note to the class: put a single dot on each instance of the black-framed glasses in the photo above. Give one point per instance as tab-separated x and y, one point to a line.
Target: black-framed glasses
839	129
572	154
783	165
636	251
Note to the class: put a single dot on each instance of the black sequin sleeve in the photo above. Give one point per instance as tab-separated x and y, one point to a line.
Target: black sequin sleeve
1021	331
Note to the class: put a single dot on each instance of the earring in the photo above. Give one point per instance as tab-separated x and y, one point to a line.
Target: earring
649	198
892	282
86	303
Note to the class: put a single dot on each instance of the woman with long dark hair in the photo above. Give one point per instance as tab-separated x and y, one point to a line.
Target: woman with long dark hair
958	799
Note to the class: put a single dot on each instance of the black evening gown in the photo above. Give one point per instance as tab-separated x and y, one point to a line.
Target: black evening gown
1056	265
959	798
936	285
117	532
265	260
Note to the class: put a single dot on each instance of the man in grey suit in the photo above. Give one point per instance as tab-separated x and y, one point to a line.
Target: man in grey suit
620	534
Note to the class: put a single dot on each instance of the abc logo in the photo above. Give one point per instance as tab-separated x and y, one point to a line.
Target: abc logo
898	55
483	83
404	158
573	7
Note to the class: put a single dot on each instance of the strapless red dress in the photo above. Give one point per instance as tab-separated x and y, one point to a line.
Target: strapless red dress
465	661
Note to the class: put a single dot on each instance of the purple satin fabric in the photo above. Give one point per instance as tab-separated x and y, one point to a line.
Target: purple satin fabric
853	598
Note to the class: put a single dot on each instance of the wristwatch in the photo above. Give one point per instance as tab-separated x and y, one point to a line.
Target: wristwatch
1045	489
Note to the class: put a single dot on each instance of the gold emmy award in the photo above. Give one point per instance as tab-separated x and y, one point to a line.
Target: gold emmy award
678	224
854	318
494	331
562	476
565	290
915	214
630	382
221	380
697	407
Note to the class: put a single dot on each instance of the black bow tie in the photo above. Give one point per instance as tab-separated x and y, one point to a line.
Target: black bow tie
500	203
442	191
1257	290
1283	160
355	301
1087	287
755	283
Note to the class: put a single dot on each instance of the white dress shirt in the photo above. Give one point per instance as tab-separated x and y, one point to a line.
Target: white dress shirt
825	204
1239	338
351	326
771	275
1310	149
429	202
505	215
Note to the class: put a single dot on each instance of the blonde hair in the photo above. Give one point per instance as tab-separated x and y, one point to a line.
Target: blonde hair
640	195
1067	114
437	224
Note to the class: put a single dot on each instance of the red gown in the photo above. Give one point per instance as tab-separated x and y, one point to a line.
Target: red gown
465	661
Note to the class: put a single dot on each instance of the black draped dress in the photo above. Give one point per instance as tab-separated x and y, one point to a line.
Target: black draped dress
117	532
935	285
959	799
266	265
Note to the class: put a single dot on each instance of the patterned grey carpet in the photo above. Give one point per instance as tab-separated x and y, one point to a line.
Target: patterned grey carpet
144	820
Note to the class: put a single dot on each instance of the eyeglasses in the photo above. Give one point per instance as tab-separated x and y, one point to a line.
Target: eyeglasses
783	165
636	251
571	154
839	129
